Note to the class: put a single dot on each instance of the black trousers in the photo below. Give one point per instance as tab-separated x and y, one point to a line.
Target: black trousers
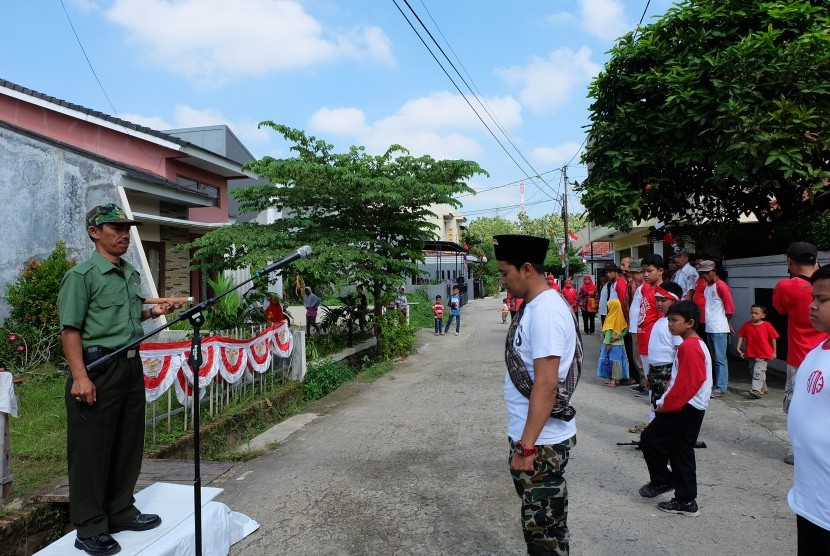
105	444
672	437
588	322
812	539
633	369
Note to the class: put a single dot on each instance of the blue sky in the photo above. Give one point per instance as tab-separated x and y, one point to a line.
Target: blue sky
351	72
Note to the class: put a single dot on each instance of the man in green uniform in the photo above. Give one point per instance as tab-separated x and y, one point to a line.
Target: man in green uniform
100	309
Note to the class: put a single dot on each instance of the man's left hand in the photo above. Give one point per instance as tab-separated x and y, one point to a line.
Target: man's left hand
522	463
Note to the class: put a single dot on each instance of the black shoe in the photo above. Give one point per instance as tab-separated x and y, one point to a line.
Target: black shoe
638	388
682	508
141	522
99	545
649	490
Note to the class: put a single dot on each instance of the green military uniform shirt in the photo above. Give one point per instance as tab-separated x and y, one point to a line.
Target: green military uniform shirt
103	301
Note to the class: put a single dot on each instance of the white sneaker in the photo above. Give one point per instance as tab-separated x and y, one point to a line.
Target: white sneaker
456	333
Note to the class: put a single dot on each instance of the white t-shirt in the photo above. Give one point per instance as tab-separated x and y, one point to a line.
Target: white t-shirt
686	278
807	423
716	322
546	329
634	309
662	344
603	300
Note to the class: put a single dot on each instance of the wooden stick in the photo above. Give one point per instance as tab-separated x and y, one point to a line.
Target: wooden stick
157	300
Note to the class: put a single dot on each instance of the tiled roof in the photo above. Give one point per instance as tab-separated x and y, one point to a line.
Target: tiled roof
600	248
91	112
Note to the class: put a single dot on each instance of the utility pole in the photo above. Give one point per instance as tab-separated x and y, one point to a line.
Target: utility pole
565	221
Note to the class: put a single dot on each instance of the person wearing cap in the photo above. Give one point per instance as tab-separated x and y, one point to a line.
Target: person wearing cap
543	355
719	311
686	275
792	297
100	310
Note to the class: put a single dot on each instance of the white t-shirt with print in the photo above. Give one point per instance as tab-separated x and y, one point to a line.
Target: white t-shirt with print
546	329
807	423
634	309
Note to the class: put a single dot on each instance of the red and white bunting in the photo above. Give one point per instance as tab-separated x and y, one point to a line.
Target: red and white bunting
165	364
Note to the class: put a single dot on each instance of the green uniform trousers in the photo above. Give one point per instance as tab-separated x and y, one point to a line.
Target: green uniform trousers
544	495
105	444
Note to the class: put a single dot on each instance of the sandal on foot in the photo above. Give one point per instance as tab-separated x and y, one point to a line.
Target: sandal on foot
755	394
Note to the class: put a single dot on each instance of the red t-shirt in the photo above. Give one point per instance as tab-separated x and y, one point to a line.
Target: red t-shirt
758	338
438	310
700	299
792	297
648	316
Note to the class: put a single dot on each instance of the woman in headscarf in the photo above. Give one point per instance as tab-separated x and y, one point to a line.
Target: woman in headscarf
588	303
613	363
570	293
311	303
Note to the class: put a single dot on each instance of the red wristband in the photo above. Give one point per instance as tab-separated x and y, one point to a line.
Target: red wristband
524	450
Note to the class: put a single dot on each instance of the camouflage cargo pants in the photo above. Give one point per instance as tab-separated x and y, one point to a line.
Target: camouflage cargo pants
544	497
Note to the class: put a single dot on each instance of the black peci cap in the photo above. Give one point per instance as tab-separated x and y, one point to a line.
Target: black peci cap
520	249
802	252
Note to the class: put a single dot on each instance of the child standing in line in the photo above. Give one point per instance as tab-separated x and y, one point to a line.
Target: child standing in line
438	311
672	435
505	311
807	422
761	346
613	363
455	311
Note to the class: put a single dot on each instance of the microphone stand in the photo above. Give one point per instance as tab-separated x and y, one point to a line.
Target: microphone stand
194	315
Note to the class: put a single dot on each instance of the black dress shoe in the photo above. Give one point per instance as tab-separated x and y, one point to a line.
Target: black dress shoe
99	545
141	522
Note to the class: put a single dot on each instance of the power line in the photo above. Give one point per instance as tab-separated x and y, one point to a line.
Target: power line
77	38
418	34
477	191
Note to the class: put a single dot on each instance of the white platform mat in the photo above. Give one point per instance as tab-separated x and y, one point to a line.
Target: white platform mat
221	527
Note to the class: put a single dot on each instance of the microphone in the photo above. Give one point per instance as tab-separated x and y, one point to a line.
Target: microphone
300	253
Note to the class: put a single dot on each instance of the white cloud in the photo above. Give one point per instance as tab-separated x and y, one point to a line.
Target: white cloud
434	125
555	156
559	18
187	116
604	18
217	41
550	82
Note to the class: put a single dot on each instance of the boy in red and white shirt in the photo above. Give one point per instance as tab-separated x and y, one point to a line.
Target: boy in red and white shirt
807	423
438	311
672	435
761	346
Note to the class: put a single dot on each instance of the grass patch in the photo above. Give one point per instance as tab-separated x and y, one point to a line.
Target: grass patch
38	437
373	372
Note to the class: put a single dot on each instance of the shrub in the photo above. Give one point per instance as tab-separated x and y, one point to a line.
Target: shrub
325	377
397	338
33	298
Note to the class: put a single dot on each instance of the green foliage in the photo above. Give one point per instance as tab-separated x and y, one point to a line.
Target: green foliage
396	337
31	335
420	309
714	111
231	310
365	217
325	377
33	298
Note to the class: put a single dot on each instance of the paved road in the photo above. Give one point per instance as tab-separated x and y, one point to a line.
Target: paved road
415	463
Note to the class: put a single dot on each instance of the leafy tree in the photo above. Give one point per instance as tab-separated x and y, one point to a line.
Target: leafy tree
365	217
714	111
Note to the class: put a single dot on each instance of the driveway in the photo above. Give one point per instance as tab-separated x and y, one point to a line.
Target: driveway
416	463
